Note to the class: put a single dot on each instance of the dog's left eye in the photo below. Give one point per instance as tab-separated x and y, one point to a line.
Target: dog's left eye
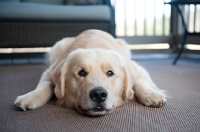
109	73
82	73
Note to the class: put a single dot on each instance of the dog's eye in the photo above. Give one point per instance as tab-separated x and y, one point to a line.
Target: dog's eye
82	73
109	73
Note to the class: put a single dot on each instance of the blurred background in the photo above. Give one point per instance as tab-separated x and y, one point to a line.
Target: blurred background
152	21
149	26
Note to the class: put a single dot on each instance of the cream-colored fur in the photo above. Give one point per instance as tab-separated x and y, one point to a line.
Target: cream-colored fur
97	53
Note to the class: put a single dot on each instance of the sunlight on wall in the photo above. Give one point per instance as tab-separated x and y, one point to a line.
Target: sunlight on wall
193	47
142	17
24	50
131	47
148	46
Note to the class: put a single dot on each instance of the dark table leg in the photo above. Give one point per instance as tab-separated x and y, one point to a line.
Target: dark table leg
184	37
182	48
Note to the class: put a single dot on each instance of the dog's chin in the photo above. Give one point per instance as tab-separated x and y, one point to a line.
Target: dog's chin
96	111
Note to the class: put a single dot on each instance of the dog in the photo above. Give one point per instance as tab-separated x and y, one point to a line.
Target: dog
92	73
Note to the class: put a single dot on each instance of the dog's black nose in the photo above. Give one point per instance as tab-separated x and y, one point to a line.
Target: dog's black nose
98	94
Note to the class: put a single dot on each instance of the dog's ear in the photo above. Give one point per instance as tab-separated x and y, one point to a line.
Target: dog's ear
129	79
58	72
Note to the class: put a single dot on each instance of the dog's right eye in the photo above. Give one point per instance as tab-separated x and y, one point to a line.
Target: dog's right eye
109	73
82	73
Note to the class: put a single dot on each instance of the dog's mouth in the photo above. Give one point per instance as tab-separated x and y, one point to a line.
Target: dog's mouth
98	108
95	111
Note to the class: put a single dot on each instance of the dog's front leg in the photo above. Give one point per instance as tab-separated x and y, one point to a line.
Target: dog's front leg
146	91
37	97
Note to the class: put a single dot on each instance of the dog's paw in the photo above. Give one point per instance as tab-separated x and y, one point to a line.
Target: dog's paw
26	102
155	100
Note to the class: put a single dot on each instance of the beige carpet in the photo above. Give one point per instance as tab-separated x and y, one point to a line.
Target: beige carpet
181	112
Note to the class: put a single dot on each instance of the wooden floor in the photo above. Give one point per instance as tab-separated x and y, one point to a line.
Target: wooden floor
22	58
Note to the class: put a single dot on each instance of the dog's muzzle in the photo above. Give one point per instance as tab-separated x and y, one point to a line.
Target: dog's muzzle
98	95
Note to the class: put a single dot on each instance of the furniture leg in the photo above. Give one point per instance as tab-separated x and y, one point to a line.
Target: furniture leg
182	48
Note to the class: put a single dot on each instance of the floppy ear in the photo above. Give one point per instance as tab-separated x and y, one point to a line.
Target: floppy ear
58	73
129	79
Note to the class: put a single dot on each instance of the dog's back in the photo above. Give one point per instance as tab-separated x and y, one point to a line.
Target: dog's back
88	39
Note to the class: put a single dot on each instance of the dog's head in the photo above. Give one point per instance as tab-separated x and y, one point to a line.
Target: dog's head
93	81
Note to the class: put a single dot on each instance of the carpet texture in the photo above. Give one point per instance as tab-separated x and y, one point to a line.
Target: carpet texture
180	114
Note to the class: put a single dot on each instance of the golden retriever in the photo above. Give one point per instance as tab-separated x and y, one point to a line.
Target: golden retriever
94	74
